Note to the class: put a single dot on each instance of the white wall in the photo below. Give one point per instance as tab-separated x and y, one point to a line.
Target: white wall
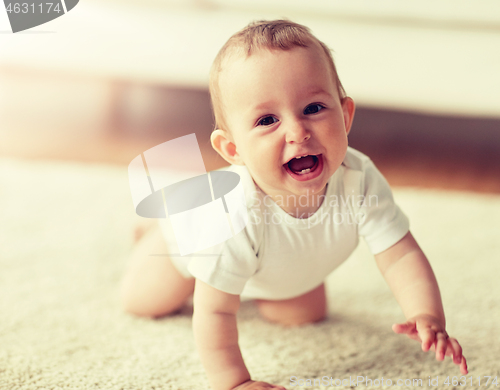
436	57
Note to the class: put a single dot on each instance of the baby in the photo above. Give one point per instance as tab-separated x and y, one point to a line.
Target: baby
282	120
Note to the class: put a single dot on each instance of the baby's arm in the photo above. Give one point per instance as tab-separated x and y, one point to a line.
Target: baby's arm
216	336
410	277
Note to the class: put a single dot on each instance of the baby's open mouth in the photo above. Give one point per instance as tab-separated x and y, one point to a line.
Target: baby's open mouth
303	165
305	168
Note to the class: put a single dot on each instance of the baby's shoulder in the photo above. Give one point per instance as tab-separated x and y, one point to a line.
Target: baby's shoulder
359	175
356	160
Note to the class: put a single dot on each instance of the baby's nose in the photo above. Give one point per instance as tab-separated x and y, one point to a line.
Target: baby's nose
297	133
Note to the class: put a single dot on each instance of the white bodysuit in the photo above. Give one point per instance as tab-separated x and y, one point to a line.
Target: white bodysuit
277	256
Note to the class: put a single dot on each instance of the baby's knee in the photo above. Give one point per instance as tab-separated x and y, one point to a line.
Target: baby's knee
304	309
136	302
290	316
138	307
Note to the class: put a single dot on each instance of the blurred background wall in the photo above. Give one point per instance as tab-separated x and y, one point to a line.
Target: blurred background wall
113	78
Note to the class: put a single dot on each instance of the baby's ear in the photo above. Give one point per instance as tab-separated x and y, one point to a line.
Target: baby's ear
223	144
348	109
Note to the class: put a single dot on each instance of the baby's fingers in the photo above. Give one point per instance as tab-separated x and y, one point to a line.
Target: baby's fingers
456	350
428	336
405	328
463	366
441	345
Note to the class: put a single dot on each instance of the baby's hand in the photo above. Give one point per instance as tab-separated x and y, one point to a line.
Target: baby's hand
252	385
429	331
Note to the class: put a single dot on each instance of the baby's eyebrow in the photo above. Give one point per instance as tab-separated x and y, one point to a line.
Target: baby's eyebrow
263	105
318	91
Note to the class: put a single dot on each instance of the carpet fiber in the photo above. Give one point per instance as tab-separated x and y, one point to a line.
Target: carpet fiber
66	230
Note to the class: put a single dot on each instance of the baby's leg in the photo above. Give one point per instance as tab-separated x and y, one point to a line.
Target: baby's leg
310	307
152	286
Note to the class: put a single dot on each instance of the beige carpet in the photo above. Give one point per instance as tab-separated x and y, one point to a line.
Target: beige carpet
65	232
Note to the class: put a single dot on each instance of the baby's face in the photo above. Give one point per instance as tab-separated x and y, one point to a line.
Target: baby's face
280	105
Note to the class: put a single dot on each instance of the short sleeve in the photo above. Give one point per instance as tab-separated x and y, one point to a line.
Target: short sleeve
227	266
383	223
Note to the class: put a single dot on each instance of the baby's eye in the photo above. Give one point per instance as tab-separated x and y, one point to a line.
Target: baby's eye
313	109
268	120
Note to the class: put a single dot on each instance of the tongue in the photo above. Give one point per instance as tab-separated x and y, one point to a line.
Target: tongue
298	164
